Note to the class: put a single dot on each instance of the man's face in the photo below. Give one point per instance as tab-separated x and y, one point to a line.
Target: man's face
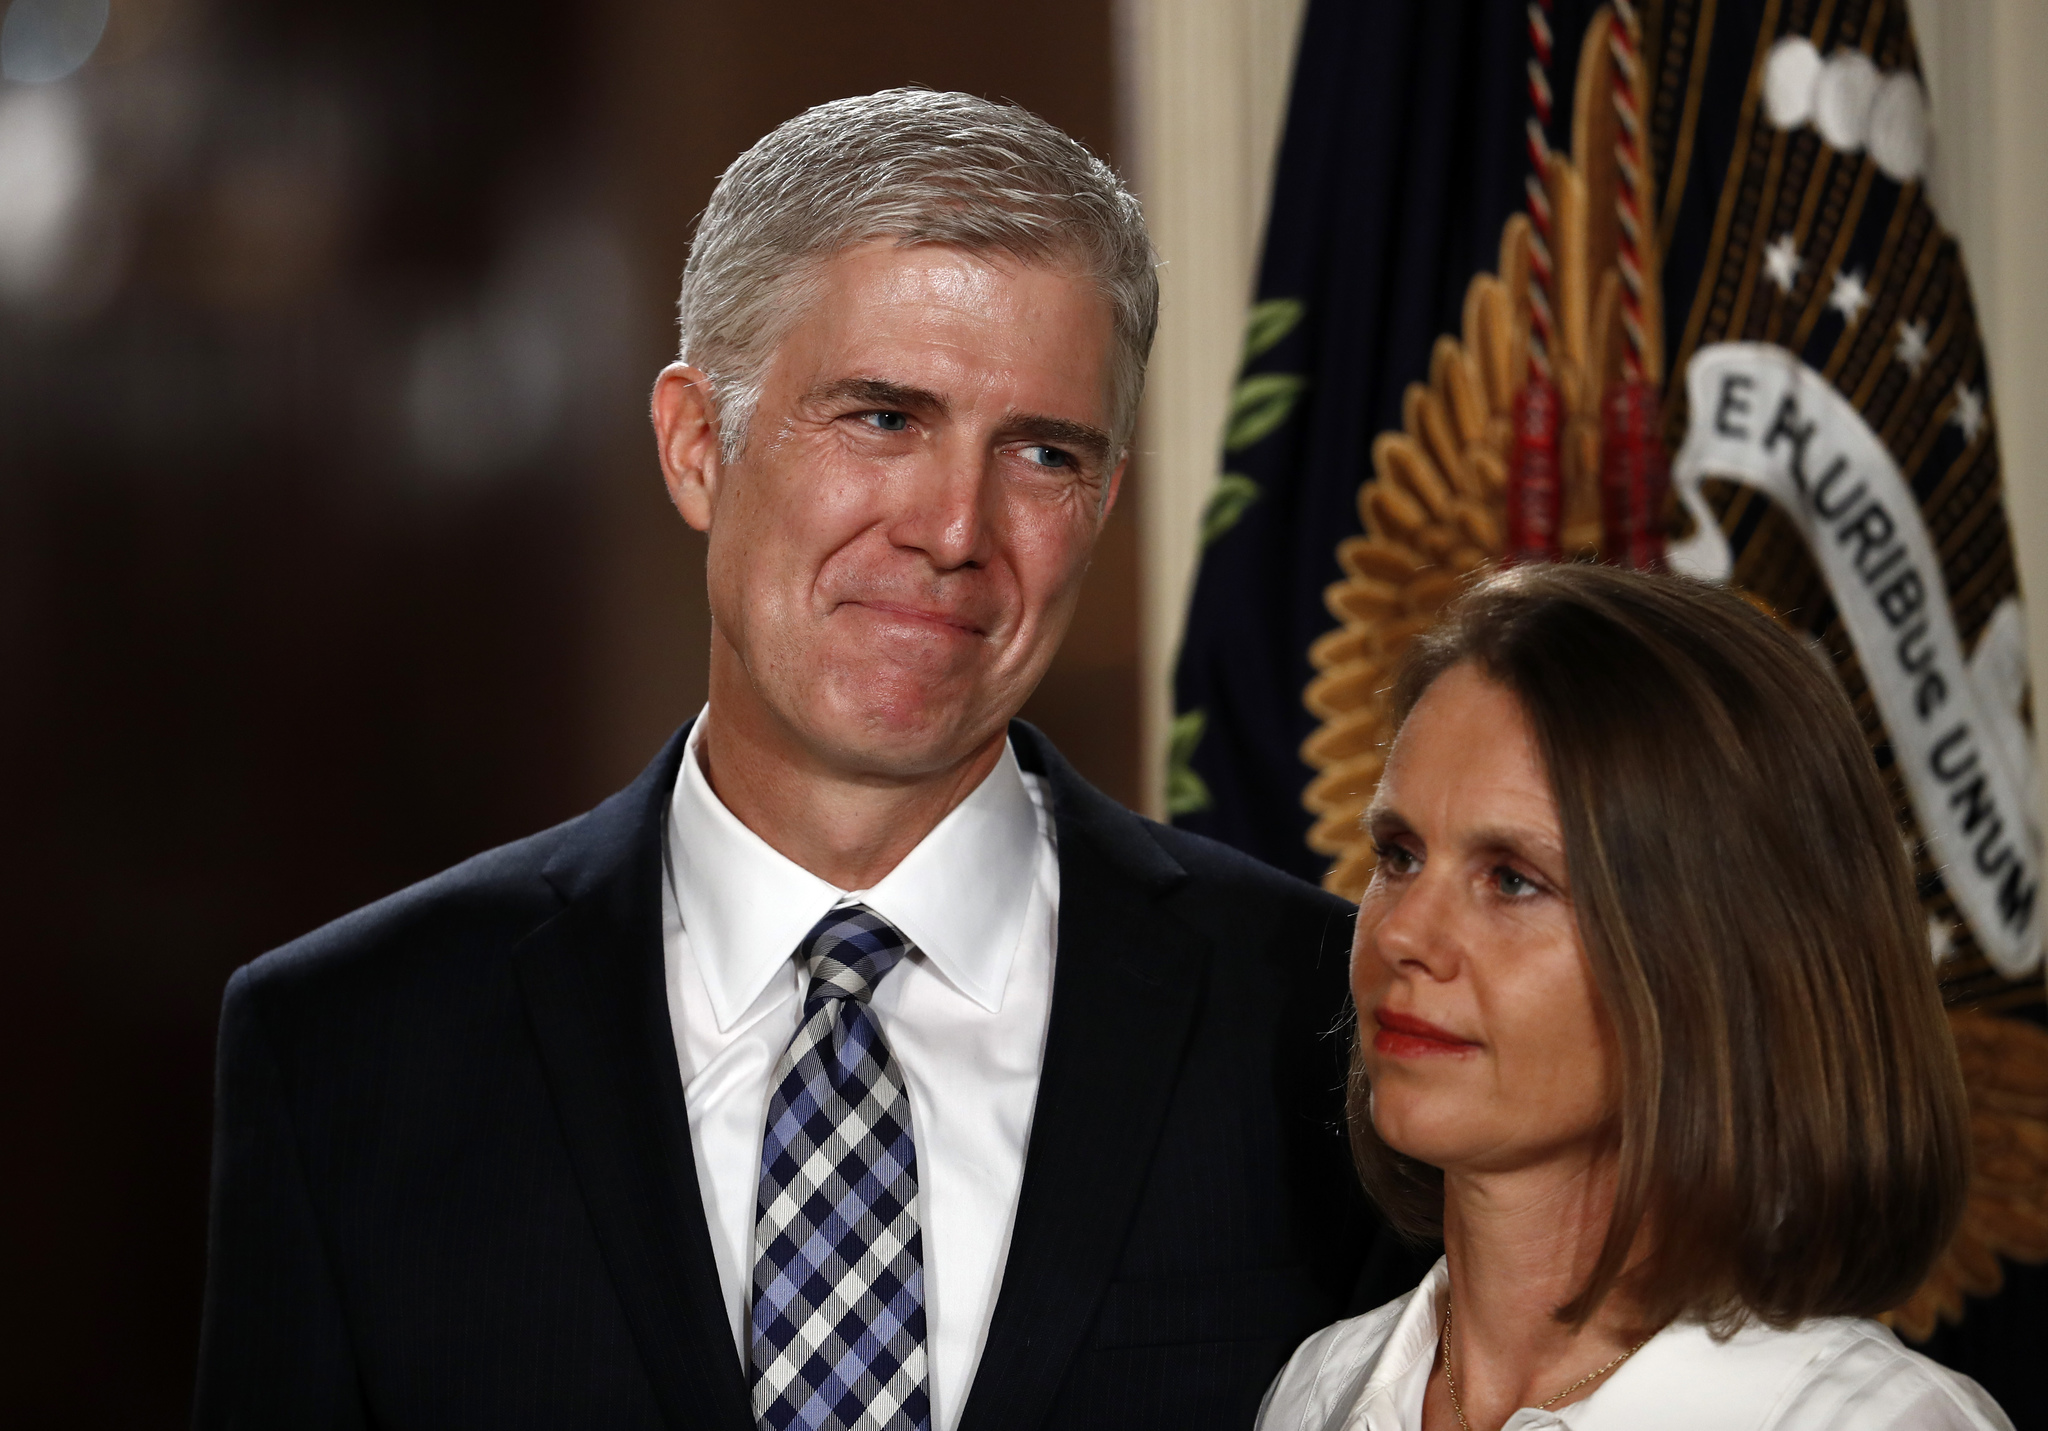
896	555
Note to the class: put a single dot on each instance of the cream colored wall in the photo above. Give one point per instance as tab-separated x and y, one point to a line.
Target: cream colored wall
1985	62
1205	87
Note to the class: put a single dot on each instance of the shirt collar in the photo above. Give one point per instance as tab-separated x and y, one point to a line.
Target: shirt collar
1680	1367
1401	1375
960	896
1684	1377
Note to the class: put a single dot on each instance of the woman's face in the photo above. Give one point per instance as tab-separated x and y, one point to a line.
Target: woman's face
1481	1028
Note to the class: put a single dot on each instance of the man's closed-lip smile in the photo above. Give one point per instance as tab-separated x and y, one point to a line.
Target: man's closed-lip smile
924	615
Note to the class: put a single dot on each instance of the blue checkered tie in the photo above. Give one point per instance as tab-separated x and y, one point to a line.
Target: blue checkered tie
838	1324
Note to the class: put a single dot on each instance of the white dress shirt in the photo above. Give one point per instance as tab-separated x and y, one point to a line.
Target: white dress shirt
965	1017
1828	1374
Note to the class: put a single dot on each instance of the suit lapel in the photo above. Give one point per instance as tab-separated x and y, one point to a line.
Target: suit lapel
592	979
1127	981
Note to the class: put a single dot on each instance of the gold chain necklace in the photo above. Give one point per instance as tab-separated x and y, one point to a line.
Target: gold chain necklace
1451	1381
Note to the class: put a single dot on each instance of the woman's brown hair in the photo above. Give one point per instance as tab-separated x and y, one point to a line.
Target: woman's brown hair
1792	1129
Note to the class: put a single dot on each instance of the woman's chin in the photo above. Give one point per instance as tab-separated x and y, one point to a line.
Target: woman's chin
1448	1132
1413	1129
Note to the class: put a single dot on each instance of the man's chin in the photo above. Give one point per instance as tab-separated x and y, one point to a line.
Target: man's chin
898	739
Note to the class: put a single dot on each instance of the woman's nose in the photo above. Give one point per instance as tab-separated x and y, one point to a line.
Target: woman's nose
1413	931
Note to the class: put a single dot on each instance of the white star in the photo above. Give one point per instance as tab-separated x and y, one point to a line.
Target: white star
1782	262
1912	346
1849	297
1968	413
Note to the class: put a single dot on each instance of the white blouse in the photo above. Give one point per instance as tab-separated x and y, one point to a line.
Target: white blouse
1828	1374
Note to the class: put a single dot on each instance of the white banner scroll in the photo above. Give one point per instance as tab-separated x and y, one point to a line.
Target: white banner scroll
1763	418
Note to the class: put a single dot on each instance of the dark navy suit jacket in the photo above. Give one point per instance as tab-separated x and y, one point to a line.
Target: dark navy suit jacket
453	1185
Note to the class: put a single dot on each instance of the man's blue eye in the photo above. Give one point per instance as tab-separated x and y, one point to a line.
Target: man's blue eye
889	421
1049	457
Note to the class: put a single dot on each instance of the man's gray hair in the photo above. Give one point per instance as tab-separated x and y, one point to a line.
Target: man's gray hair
924	168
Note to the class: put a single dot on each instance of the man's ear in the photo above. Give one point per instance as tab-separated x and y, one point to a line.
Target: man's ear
686	435
1110	490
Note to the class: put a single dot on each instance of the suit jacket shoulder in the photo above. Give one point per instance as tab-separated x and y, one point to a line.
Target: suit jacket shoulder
1251	912
433	936
452	1181
478	909
1229	886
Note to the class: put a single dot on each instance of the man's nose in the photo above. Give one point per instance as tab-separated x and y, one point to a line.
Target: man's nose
942	509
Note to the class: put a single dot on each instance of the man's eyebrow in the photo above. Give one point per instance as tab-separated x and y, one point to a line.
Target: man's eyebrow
880	394
1061	432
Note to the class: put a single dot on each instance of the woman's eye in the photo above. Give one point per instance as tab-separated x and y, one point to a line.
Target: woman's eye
1048	457
1511	883
887	421
1396	859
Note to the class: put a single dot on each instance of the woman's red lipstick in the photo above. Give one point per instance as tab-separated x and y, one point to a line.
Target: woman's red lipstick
1405	1036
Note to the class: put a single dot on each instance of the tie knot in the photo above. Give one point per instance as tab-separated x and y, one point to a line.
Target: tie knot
847	953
